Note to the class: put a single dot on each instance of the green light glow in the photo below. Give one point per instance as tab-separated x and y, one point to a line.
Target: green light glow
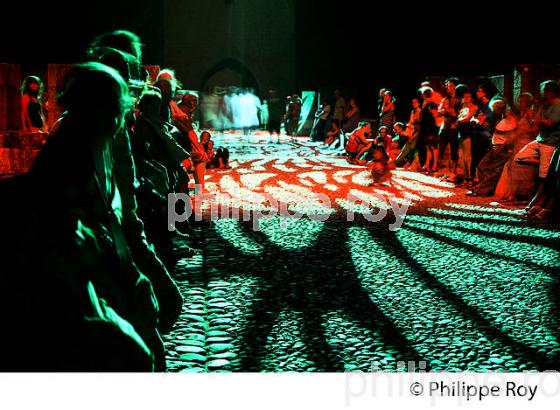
231	231
524	252
492	290
502	229
500	218
291	234
491	210
445	331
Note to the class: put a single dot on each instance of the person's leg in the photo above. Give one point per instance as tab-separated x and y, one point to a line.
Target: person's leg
362	148
199	171
435	153
490	169
402	157
443	142
479	148
429	155
466	157
453	151
545	153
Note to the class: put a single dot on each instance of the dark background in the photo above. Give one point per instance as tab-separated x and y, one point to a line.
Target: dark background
359	46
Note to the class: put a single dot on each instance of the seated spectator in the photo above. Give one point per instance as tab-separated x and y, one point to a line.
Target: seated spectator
399	134
358	143
217	158
333	135
491	166
394	151
383	138
121	50
158	158
379	166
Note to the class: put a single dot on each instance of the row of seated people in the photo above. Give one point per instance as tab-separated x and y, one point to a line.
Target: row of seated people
86	247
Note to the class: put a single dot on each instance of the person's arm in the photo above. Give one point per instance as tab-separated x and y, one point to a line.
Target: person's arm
434	112
389	106
362	137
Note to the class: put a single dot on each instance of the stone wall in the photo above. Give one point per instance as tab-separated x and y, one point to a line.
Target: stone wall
206	37
10	82
18	149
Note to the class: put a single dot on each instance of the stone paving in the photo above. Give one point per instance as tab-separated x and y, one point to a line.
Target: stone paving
462	286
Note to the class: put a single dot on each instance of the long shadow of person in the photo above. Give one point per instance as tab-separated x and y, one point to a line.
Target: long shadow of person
313	281
393	246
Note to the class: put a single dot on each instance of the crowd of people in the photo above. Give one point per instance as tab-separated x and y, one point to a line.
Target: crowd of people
85	242
85	238
468	136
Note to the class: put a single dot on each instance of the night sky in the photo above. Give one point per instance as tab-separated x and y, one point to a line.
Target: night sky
340	43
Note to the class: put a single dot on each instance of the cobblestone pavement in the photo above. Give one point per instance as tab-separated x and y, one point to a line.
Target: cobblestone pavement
462	286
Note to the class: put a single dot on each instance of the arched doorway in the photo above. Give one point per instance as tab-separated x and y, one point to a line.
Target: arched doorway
230	72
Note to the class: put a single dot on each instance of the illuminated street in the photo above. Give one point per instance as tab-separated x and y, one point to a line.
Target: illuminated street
463	285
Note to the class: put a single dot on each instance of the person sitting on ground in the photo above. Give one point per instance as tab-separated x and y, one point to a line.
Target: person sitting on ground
394	151
358	143
379	166
383	138
399	134
332	140
217	158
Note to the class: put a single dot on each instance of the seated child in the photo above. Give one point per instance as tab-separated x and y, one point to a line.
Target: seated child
379	166
383	138
394	151
218	158
333	134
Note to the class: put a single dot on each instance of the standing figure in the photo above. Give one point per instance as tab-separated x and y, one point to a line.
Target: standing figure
32	118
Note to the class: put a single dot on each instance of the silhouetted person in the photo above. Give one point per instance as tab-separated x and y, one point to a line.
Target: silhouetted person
122	51
32	118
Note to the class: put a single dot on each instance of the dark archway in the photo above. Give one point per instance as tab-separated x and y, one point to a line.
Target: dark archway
233	71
